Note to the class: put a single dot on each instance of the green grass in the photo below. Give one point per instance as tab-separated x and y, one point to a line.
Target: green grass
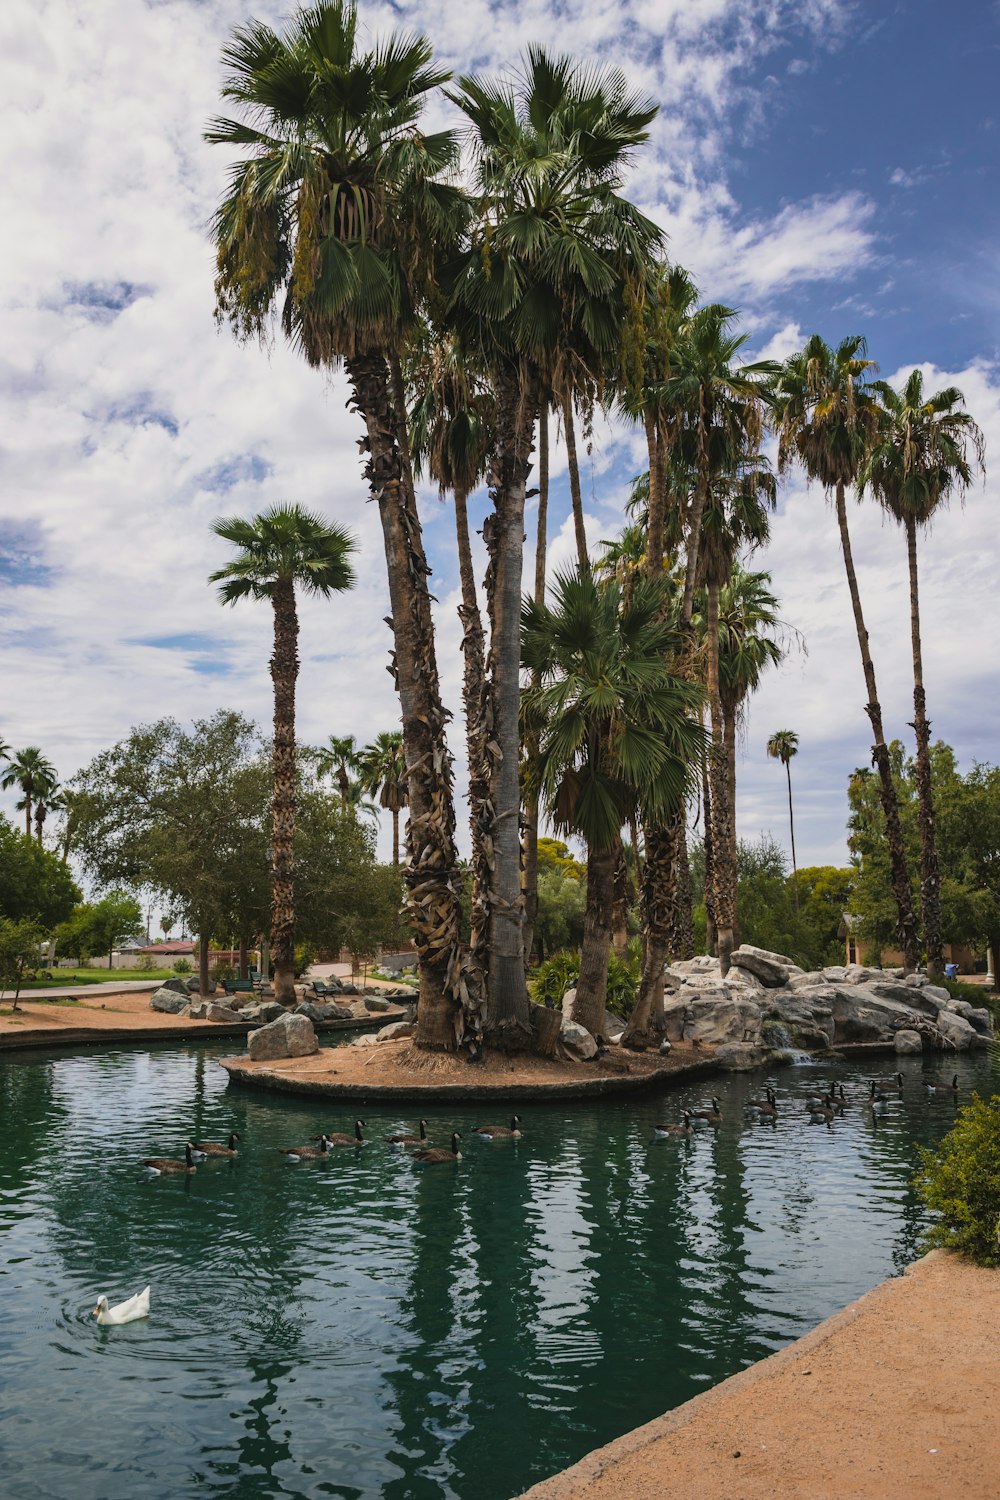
75	978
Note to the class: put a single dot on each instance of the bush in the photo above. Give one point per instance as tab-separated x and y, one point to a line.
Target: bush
145	962
181	966
560	973
221	972
960	1183
305	955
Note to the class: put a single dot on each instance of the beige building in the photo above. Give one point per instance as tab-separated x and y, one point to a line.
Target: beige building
858	951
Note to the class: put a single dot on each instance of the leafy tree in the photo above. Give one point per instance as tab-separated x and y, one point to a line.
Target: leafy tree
561	905
960	1182
20	941
920	455
34	775
34	883
336	212
281	549
96	926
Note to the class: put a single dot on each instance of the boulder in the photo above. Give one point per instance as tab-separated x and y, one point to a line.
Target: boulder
288	1036
263	1012
349	989
376	1003
861	1015
858	974
916	981
614	1027
368	1040
771	968
168	1001
319	1011
214	1011
567	1003
937	992
835	973
908	1043
394	1031
740	1057
357	1010
179	985
803	981
578	1041
674	1018
956	1029
711	1020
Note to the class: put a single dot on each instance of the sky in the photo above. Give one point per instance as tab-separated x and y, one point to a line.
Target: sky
821	165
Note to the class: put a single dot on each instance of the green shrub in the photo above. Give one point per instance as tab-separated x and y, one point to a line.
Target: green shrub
560	973
305	954
182	966
221	972
960	1182
145	962
623	986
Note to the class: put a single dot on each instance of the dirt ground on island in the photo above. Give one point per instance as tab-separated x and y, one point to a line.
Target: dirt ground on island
895	1398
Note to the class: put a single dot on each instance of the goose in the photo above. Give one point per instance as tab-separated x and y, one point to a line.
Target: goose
156	1165
937	1086
123	1312
438	1153
338	1138
879	1091
685	1129
495	1131
214	1148
711	1116
768	1110
409	1140
310	1153
769	1098
829	1104
818	1113
895	1083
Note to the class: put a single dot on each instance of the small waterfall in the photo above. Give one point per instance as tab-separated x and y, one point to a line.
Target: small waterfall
794	1057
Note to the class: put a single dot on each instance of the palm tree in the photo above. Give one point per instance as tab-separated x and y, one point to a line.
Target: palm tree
338	758
919	457
542	289
279	549
826	420
34	775
382	773
617	733
48	799
782	745
335	213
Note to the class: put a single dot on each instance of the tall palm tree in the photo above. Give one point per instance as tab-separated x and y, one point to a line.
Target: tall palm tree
338	758
542	286
826	419
919	458
334	214
48	799
34	775
618	735
782	745
382	773
283	547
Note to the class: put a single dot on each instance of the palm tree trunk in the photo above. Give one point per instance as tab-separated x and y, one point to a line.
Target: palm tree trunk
655	897
284	674
529	878
694	520
27	815
592	986
576	494
508	1014
729	712
906	926
203	945
711	926
476	700
725	875
432	894
791	833
930	875
619	909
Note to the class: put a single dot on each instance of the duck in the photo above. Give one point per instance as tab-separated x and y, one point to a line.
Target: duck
158	1165
338	1138
500	1131
937	1086
438	1153
214	1148
685	1129
123	1312
310	1153
711	1116
409	1140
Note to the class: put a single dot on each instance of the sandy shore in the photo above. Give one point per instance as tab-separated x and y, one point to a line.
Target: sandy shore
893	1397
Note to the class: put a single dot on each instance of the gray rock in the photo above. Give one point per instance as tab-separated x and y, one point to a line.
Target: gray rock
358	1011
365	1041
916	981
614	1027
711	1020
169	1002
578	1041
771	968
957	1030
395	1030
890	989
675	1013
803	981
937	992
349	989
740	1057
376	1003
908	1043
263	1012
198	1010
835	973
216	1012
858	974
318	1011
178	984
288	1036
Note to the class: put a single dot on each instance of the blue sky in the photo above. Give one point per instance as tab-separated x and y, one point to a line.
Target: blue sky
824	166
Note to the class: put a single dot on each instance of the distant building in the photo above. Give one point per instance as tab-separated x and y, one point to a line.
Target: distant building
858	950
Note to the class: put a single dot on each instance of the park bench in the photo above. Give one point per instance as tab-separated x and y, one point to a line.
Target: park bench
238	986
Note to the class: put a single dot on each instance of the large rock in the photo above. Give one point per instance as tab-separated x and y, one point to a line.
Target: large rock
956	1029
908	1043
168	1001
772	969
732	1019
376	1003
263	1012
289	1036
675	1013
214	1011
740	1057
178	984
614	1027
395	1031
319	1012
858	974
937	992
578	1041
861	1015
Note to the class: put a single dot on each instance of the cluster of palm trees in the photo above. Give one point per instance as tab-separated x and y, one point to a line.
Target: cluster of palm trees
38	782
466	313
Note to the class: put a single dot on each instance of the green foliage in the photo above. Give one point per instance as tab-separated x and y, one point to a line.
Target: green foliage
182	966
20	942
560	973
34	883
555	856
144	963
562	899
305	954
960	1182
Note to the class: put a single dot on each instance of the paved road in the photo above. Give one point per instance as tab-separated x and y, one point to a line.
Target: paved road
82	991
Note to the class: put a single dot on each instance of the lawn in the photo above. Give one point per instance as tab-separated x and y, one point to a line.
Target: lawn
74	978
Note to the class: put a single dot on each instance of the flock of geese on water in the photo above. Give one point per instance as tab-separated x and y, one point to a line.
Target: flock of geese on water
821	1108
323	1145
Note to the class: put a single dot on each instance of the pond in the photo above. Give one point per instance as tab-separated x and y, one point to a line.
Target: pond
370	1327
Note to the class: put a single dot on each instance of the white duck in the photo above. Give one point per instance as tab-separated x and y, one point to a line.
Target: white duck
123	1312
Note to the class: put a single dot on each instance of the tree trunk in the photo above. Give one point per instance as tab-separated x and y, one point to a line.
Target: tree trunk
592	986
729	712
508	1017
244	957
930	875
477	723
432	894
725	875
791	834
576	494
27	815
619	909
694	520
906	926
530	873
203	945
395	838
711	926
284	674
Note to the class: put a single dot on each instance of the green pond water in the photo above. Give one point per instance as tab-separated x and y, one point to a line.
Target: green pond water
369	1327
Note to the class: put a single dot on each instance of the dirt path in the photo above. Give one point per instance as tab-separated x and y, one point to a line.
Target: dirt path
895	1398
